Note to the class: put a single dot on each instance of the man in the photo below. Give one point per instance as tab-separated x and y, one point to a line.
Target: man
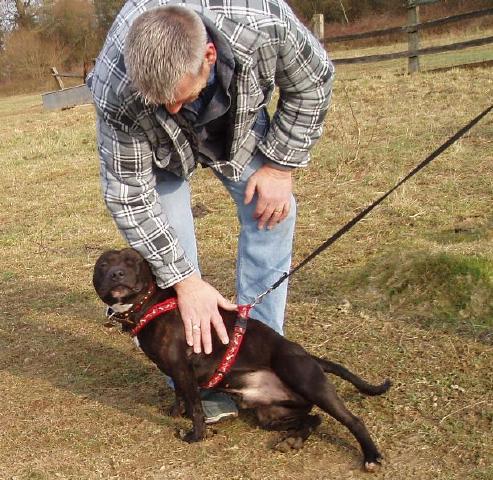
182	84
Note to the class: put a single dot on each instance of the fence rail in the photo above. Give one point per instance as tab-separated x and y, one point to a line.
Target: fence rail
422	51
407	28
412	29
417	3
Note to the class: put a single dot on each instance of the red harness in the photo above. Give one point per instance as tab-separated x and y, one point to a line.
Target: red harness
231	353
234	345
154	312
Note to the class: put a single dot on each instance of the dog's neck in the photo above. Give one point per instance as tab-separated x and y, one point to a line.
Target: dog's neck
125	312
121	307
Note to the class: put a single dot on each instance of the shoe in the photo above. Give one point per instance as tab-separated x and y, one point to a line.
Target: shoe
217	406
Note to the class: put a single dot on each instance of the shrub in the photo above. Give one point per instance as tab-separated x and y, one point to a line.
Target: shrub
28	56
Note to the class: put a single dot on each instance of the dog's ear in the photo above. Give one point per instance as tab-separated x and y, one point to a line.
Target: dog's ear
100	265
133	254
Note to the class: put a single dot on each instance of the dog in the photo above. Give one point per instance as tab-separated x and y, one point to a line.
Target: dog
272	375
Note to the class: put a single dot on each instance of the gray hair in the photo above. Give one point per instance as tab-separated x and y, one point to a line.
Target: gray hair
163	45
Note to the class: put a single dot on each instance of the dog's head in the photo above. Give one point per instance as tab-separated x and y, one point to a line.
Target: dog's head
121	277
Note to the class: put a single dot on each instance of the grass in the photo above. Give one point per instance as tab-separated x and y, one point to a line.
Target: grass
449	291
406	295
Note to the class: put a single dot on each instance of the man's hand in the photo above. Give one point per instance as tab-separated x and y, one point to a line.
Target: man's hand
198	303
274	188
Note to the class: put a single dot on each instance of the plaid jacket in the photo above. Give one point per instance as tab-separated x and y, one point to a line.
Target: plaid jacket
270	47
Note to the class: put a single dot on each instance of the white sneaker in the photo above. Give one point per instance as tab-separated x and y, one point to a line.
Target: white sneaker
217	406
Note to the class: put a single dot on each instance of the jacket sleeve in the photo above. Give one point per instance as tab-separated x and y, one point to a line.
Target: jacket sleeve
128	185
304	75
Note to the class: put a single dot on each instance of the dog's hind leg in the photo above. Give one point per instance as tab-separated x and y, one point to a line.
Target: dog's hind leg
307	378
296	423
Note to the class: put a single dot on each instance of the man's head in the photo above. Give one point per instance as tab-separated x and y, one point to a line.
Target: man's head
167	56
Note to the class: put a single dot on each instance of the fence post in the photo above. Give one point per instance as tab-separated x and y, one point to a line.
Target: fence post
317	24
57	78
413	35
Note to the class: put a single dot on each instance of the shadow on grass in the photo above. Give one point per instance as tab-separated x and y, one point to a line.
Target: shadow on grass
35	345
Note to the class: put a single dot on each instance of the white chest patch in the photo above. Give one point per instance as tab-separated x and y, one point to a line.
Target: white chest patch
121	308
262	387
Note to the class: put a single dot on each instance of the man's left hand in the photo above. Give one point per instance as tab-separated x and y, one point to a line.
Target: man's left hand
274	189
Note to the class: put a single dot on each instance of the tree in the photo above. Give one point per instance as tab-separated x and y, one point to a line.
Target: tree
25	16
106	11
18	14
72	24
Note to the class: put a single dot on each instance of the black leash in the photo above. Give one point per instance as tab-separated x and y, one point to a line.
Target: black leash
368	209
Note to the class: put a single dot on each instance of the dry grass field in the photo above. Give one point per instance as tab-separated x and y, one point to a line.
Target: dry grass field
407	294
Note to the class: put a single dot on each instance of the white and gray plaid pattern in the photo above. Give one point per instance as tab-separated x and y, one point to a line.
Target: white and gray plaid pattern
271	47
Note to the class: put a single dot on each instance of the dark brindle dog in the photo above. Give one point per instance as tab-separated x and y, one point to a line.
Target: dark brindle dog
276	377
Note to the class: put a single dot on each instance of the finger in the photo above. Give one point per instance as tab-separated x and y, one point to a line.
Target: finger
285	212
217	322
250	190
197	345
281	216
265	217
187	323
226	304
275	218
206	335
260	208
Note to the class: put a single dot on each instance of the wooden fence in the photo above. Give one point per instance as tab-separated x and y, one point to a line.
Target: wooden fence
412	30
66	97
58	77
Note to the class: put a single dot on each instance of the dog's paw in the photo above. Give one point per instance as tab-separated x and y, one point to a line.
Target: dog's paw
373	465
192	436
289	443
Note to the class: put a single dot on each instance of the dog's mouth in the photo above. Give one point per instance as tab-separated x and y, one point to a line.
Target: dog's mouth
120	291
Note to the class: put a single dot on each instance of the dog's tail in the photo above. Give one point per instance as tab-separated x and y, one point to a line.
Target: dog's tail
358	382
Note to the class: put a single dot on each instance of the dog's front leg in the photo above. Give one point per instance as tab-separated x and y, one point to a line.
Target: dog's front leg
178	407
188	389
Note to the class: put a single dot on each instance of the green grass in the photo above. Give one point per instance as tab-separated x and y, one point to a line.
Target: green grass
406	295
448	291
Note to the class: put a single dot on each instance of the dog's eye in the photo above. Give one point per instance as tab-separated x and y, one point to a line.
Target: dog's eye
103	265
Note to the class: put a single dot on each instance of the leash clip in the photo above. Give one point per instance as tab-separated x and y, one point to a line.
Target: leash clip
259	298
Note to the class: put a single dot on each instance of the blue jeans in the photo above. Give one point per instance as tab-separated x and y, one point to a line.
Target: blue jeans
263	255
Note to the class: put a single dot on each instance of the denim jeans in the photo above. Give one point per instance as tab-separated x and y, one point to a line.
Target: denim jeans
263	255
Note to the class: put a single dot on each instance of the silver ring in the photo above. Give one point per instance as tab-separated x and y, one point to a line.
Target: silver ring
196	327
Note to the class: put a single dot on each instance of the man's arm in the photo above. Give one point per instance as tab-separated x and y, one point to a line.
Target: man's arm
128	184
304	75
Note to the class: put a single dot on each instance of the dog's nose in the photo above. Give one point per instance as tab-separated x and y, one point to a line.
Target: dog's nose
117	274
